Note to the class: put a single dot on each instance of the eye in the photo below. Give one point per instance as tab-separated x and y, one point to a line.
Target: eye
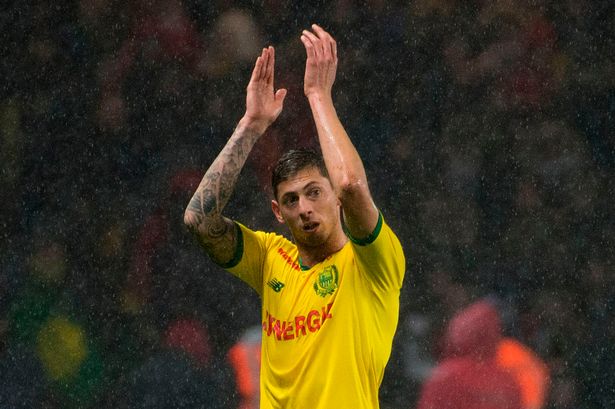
291	200
314	193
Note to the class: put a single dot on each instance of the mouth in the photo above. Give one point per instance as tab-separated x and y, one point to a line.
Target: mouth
310	227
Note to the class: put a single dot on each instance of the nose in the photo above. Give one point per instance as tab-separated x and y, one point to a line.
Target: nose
305	208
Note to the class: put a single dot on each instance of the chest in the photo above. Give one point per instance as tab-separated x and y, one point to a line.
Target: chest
298	303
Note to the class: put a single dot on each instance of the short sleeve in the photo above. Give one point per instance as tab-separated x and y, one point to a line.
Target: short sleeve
381	257
248	261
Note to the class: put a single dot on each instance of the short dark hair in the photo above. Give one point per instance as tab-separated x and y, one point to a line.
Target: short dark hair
294	161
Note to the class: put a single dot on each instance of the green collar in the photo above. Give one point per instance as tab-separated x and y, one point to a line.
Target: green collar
303	266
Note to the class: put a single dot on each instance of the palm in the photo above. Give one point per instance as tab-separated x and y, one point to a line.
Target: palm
262	103
321	63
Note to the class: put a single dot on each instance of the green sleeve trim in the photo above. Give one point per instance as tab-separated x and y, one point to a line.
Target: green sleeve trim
238	249
369	239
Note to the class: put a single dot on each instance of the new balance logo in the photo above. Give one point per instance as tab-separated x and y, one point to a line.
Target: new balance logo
275	285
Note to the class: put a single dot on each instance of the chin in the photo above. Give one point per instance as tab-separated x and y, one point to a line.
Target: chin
310	240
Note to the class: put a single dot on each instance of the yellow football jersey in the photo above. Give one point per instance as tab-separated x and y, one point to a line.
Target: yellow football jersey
327	330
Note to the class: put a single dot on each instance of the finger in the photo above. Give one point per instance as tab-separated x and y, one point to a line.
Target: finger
311	36
320	32
265	59
329	45
280	95
309	47
256	71
270	66
317	44
279	101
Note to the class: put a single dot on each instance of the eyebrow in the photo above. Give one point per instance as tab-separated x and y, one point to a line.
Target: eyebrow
306	187
309	185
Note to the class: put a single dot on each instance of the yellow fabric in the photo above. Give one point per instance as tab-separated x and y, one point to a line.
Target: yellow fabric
327	331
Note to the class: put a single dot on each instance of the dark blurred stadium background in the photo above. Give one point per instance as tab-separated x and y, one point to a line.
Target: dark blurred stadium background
487	131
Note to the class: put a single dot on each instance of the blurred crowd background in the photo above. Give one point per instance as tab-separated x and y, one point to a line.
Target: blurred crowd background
487	129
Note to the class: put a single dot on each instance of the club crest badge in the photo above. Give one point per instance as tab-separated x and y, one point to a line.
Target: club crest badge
326	282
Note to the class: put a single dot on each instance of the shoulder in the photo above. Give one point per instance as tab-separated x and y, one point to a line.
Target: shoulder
258	241
265	237
380	256
381	243
381	234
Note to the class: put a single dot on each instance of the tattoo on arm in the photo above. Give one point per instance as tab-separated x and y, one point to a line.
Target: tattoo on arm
217	230
195	203
219	181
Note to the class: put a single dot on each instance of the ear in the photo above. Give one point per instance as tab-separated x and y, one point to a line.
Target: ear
275	206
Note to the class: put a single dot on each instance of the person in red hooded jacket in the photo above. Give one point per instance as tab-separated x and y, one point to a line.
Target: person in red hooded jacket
468	376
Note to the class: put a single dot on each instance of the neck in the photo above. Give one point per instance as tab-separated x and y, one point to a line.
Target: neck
314	255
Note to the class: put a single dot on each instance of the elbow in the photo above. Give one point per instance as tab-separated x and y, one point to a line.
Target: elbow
352	186
192	220
353	192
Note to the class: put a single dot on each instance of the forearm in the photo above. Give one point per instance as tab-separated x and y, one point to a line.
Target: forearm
215	189
341	157
343	162
345	168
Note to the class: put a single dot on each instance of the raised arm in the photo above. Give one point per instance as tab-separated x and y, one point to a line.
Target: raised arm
204	212
341	158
